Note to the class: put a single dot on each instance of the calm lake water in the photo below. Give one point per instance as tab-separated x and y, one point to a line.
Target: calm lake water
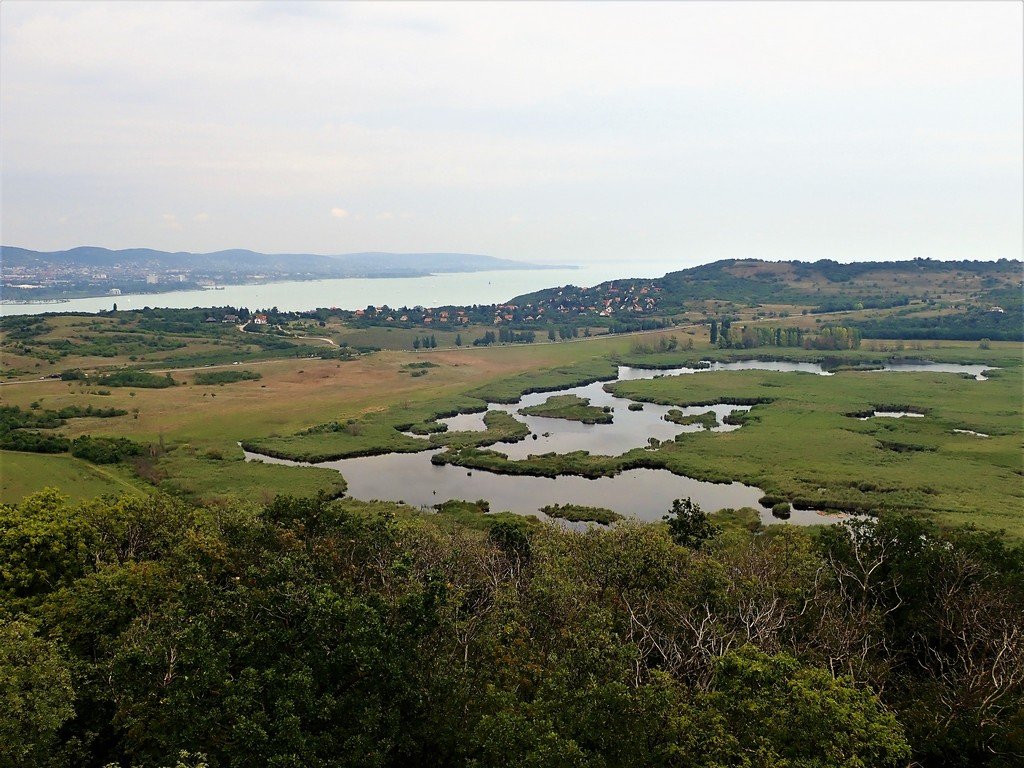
356	293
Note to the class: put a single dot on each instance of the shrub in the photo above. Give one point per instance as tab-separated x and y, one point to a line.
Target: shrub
104	450
141	379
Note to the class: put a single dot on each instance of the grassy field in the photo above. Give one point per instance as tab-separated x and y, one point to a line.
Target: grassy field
211	477
24	473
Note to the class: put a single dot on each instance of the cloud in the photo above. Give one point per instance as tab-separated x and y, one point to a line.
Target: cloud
721	129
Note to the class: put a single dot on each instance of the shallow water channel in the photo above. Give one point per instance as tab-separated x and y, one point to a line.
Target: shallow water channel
644	494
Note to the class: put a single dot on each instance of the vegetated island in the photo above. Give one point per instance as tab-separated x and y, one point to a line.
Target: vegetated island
708	420
578	513
571	407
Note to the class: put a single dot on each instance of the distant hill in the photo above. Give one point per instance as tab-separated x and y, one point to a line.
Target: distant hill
919	299
238	261
818	283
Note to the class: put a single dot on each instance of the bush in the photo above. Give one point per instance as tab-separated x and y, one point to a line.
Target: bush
141	379
33	442
226	377
104	450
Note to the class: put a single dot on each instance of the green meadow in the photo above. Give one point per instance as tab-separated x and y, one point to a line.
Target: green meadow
803	445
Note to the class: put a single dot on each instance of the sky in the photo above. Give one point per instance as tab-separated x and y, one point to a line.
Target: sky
571	132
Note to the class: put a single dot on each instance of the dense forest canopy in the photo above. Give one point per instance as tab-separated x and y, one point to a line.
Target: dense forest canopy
146	632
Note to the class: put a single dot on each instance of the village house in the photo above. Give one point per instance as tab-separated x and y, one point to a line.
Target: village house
260	320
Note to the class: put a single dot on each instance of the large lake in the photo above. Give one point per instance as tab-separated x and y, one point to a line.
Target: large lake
355	293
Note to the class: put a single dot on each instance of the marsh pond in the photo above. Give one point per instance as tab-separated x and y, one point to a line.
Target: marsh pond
644	494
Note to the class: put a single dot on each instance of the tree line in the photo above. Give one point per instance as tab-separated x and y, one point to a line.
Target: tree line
830	337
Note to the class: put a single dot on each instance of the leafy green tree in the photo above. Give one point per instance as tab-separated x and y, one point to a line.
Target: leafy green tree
689	525
42	545
513	538
786	714
36	696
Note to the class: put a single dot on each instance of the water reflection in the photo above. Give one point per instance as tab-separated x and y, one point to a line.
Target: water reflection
644	494
891	415
629	429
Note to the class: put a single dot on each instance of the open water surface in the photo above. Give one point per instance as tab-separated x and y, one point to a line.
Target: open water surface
644	494
452	288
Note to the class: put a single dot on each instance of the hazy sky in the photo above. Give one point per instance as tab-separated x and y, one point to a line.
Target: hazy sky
568	132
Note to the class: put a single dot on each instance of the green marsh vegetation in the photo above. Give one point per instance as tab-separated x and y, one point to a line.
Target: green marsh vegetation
778	449
155	627
707	420
509	389
578	513
872	354
501	427
477	516
571	407
803	447
383	432
801	442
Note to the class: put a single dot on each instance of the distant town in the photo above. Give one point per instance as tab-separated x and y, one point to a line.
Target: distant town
89	271
56	281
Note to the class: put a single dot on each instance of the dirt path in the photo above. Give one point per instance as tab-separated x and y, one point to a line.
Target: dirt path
113	477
